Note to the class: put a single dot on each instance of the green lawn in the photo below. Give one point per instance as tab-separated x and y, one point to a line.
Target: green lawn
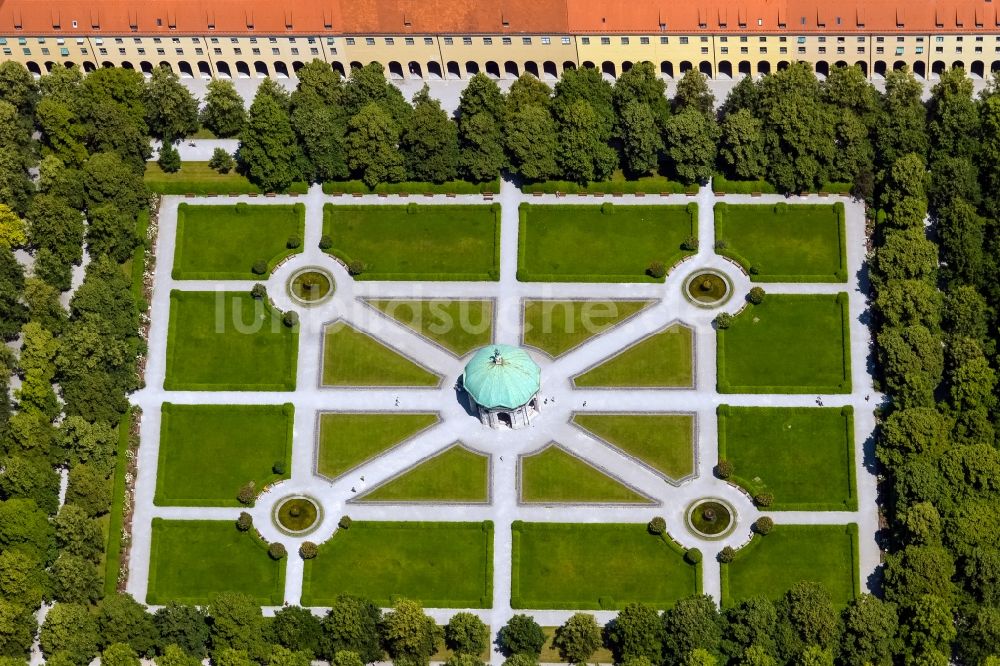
199	178
790	343
223	242
582	244
785	243
191	561
665	442
228	341
456	475
457	325
555	475
664	359
441	565
555	327
347	439
803	455
597	566
353	358
207	452
417	242
770	565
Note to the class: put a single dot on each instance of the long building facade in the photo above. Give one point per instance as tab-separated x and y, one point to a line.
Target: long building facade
454	39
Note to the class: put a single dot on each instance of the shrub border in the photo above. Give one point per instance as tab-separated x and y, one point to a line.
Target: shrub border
648	185
212	189
457	186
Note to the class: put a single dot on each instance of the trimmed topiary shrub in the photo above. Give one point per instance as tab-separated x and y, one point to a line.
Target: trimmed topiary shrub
727	555
290	319
277	551
308	550
607	208
657	525
763	525
248	493
723	320
355	267
259	267
690	244
411	208
724	469
325	242
278	467
756	295
221	161
170	159
293	243
693	555
754	269
721	244
656	270
258	291
764	498
244	522
345	522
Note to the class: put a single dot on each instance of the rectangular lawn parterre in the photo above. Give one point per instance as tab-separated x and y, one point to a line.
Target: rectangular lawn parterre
804	456
441	565
417	242
199	178
555	327
785	242
224	242
228	341
790	343
583	244
577	566
207	452
191	561
770	565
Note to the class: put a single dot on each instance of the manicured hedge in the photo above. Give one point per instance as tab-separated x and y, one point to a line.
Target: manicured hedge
722	184
412	187
648	185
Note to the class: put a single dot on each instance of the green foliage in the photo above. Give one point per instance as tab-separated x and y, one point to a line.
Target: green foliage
693	623
89	489
121	619
583	154
690	138
352	624
13	313
693	556
171	109
119	654
269	155
17	631
297	629
465	633
25	527
763	525
75	580
870	631
70	629
277	551
723	320
429	142
756	295
410	636
184	626
223	114
578	638
221	160
23	581
531	143
170	159
78	534
521	634
372	155
641	139
308	550
636	632
237	623
657	525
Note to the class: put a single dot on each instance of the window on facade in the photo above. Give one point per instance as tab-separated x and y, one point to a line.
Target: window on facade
389	41
841	40
743	38
217	51
958	39
802	49
821	40
178	51
605	40
684	40
215	40
234	40
724	50
369	41
506	41
723	39
763	49
546	41
800	40
644	40
664	40
274	51
822	49
938	49
467	41
142	51
157	40
979	38
783	49
488	41
704	50
526	41
45	50
255	50
958	49
121	51
408	41
7	51
861	49
879	50
625	41
880	39
979	49
199	51
564	40
28	51
253	40
744	49
920	50
160	52
585	40
428	41
238	51
448	41
137	40
763	39
840	49
315	51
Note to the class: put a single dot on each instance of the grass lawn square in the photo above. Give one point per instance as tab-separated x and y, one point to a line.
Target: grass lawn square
597	566
417	242
664	442
347	439
228	341
555	475
199	178
223	242
191	561
354	358
661	360
207	452
803	455
770	565
457	325
583	244
790	343
441	565
457	475
555	327
785	242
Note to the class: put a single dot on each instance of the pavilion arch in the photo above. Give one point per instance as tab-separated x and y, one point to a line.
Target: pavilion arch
281	70
879	68
260	68
569	64
705	67
356	65
511	70
920	69
492	69
863	66
146	67
667	68
395	69
89	66
242	70
49	65
587	64
958	64
34	68
166	65
726	68
434	70
550	70
626	66
978	68
823	68
531	67
898	65
471	68
938	67
782	65
223	69
763	67
454	69
297	65
204	69
416	71
995	67
339	68
107	64
608	69
127	65
185	68
842	64
685	67
745	68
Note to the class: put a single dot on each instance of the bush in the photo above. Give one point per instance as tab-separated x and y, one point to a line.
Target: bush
727	555
411	208
764	499
259	267
244	522
754	269
277	551
248	493
724	469
763	525
721	244
325	242
345	522
756	295
521	635
693	556
293	243
308	550
607	208
278	467
656	270
170	159
657	525
690	244
258	291
221	161
290	319
723	320
355	267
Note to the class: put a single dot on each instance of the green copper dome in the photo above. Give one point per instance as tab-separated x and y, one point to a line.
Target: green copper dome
501	376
